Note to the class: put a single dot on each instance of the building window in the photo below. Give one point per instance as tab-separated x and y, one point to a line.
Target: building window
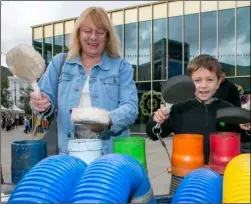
174	46
144	73
66	43
58	44
47	50
144	95
191	38
159	49
208	33
37	44
227	41
119	31
130	46
243	81
243	41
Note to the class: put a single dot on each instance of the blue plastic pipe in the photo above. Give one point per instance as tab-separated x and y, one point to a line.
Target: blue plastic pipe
113	178
200	186
49	181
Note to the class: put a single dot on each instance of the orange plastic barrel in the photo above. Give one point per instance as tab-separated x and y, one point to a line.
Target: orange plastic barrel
187	153
236	180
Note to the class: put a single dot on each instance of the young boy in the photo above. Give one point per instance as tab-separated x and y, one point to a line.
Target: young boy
197	115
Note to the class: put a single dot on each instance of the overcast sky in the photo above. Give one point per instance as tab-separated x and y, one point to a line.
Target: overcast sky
17	17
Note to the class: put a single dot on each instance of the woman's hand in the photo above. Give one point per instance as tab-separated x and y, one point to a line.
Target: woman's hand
39	102
246	126
98	128
161	114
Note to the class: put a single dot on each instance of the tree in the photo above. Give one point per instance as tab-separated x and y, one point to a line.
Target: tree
5	93
25	100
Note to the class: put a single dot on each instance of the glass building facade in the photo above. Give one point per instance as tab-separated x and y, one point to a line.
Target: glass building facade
160	38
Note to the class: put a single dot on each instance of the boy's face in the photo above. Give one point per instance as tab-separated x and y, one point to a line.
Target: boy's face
206	83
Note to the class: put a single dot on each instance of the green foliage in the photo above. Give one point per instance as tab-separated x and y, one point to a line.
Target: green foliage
25	101
5	93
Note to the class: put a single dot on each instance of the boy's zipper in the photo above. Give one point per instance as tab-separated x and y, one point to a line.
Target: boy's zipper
206	110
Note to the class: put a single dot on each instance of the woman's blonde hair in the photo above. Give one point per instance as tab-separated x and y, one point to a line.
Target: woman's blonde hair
100	19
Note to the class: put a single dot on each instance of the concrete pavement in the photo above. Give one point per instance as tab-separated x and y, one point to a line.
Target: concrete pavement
157	160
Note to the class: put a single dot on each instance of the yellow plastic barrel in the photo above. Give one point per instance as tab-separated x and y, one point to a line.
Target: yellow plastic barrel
236	181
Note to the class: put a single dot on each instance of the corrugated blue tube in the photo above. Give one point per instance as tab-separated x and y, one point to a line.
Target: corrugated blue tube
113	178
49	181
200	186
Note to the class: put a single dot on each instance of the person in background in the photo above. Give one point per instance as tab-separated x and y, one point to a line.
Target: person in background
26	125
30	124
3	121
16	122
195	116
93	75
246	130
245	99
227	91
8	124
2	180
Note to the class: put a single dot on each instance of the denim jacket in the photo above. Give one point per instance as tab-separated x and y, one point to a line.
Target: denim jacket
111	88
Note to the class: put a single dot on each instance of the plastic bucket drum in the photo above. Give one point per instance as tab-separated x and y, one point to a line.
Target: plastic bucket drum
187	153
86	149
224	146
24	155
132	146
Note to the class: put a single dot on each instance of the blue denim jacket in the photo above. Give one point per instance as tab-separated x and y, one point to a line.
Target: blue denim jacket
111	88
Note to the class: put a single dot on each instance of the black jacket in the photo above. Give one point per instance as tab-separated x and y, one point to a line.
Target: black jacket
196	118
245	141
228	92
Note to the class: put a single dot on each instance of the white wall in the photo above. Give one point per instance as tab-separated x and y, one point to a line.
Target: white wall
15	86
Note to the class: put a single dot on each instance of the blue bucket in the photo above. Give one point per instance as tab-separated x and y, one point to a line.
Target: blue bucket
24	155
167	198
200	186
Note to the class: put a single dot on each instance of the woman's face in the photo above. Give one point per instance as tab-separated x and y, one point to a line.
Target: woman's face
92	38
206	83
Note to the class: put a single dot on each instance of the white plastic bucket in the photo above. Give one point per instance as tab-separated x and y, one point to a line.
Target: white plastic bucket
86	149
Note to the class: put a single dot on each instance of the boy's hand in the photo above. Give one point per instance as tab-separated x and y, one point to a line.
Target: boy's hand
161	114
246	126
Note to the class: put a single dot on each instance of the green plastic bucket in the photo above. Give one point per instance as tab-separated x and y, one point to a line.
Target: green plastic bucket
132	146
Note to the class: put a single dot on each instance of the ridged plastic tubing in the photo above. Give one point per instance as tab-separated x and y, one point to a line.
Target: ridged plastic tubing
236	181
114	178
49	181
175	182
200	186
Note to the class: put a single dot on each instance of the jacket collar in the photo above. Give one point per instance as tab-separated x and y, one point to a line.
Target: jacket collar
102	65
195	101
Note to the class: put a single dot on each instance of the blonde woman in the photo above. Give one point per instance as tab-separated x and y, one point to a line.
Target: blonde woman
93	75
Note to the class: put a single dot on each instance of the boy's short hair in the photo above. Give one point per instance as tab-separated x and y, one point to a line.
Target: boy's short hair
206	61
